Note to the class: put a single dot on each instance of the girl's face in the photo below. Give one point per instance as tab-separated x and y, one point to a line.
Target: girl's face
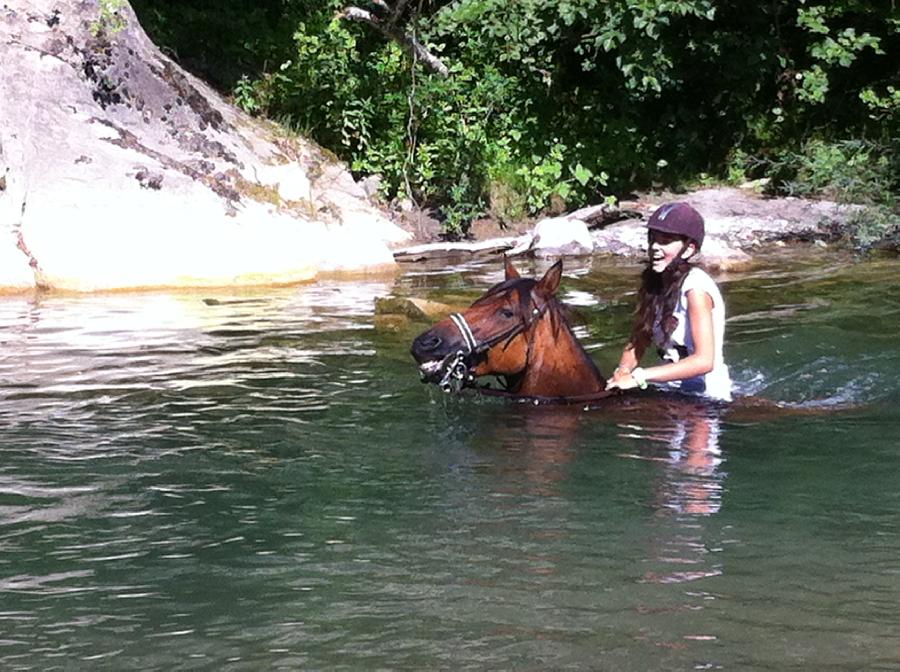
665	248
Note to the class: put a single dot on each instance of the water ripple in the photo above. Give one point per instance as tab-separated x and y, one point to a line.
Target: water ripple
257	480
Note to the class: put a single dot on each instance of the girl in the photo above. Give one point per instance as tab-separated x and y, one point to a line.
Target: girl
680	311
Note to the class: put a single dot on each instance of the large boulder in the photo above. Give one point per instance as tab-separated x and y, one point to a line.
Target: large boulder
118	169
561	236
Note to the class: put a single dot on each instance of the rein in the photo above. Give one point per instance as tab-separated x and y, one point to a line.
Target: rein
542	401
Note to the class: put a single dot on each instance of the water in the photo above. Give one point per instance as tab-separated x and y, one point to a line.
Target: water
258	481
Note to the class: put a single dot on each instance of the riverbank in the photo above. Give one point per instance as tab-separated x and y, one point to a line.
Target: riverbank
740	222
126	173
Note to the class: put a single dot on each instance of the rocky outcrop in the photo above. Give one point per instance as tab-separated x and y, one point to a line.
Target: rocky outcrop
738	222
561	236
120	170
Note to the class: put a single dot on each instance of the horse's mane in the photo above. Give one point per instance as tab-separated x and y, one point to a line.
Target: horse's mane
556	309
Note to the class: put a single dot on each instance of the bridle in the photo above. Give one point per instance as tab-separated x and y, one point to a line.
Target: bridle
457	365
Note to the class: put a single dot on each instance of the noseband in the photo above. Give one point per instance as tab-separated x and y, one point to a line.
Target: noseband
456	366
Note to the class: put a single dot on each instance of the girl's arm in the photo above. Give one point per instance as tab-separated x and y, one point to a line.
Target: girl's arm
631	357
700	305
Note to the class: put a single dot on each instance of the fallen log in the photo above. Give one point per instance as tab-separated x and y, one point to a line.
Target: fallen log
447	250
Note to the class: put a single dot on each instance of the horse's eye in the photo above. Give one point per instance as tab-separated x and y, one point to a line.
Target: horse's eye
507	313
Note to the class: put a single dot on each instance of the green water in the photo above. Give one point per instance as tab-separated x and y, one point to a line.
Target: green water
262	483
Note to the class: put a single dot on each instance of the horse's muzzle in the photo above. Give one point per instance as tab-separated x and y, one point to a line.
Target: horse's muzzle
427	346
430	352
441	359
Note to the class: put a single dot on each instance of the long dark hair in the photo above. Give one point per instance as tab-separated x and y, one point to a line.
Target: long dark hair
657	296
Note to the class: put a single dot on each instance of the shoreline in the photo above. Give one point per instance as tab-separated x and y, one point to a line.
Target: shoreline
741	227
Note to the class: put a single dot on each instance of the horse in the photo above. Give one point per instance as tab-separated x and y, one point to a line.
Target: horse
516	331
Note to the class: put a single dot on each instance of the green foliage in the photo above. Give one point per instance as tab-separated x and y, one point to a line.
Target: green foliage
461	208
570	100
847	171
881	107
506	198
827	51
874	225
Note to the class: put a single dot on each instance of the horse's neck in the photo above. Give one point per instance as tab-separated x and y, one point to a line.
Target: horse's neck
561	369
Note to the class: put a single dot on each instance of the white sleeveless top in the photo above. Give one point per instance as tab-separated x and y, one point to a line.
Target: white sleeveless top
717	383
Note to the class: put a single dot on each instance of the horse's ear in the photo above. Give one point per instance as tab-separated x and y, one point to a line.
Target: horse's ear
511	272
547	286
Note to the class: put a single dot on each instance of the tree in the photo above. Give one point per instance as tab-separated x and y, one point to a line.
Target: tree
474	102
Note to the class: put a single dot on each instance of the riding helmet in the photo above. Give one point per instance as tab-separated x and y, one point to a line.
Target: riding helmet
678	218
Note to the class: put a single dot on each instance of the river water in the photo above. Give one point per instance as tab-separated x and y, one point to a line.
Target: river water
257	480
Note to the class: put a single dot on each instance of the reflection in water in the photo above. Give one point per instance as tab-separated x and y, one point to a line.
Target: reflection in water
543	447
544	443
687	488
693	479
557	509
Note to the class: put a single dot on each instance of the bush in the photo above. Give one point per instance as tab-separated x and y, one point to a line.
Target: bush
566	101
874	226
847	171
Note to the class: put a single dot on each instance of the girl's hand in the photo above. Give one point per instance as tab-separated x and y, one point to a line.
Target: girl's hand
619	374
625	381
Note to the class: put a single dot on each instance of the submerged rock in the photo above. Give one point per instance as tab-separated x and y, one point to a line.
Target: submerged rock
412	308
119	170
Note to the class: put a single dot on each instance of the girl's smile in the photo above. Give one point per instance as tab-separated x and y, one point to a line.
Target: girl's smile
664	248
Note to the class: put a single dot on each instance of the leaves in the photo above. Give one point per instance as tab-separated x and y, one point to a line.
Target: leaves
556	98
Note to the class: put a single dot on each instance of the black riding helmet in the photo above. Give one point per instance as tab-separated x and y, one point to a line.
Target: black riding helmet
678	218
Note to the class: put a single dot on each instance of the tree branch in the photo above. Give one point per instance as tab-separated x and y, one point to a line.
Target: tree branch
398	11
408	42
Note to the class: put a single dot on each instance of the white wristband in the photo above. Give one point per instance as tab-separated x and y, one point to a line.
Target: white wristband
640	378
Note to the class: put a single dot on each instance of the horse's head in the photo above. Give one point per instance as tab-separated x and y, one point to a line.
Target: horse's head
492	336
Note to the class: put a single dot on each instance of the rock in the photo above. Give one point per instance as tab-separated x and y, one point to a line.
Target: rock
736	222
598	215
522	245
391	323
717	253
371	185
15	272
561	236
756	185
626	238
412	308
121	170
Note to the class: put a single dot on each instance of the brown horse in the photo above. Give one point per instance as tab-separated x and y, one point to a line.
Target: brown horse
517	332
